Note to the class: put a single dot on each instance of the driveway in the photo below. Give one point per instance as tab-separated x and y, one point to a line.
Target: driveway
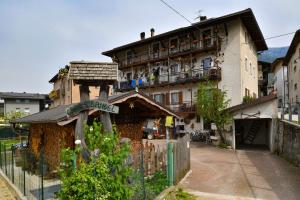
243	174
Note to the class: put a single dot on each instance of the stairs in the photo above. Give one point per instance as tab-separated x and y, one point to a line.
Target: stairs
255	126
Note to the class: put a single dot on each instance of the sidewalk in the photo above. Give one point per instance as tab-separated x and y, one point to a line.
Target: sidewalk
5	193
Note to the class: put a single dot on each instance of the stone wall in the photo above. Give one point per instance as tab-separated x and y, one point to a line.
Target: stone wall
287	141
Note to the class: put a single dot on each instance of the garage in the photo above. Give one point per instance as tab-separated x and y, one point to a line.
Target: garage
252	133
254	123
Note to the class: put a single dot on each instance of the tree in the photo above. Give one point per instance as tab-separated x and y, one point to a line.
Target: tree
211	105
13	115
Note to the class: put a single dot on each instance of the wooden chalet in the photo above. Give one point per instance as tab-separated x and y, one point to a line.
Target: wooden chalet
54	130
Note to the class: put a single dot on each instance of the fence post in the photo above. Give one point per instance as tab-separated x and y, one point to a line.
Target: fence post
298	105
1	155
24	167
12	165
142	172
5	164
42	172
170	164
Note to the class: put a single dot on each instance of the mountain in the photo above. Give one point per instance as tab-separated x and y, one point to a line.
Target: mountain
271	54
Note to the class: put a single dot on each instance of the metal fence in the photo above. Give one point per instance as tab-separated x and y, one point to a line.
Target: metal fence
27	171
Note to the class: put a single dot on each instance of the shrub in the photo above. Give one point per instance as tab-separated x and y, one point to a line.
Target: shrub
105	176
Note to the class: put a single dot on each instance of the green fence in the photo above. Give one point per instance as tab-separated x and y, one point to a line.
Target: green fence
26	171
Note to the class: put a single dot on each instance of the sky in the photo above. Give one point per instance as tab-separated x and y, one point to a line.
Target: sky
37	38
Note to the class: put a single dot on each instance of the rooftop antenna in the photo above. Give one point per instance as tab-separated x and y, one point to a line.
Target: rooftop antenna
199	14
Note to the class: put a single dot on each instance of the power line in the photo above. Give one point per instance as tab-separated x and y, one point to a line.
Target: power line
176	11
277	36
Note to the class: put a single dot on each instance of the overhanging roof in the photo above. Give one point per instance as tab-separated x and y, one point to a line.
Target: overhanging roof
246	16
292	48
59	114
253	103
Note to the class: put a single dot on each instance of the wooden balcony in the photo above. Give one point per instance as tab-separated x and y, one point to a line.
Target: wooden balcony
164	54
171	79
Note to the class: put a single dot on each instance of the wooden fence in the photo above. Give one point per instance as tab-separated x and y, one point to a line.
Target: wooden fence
182	161
154	158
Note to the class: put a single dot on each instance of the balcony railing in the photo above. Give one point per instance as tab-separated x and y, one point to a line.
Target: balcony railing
186	106
171	79
164	53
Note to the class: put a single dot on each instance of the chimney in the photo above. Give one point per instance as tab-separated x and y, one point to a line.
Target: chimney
142	34
203	18
152	31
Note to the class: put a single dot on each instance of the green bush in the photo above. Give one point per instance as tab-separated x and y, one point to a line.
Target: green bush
106	176
247	99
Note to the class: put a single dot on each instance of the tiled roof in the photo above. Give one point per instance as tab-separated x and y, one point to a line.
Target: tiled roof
92	71
292	48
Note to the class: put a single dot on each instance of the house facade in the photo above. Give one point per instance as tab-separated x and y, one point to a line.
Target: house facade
292	61
169	66
280	82
65	92
28	103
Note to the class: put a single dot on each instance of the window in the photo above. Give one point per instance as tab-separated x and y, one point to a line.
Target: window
129	56
159	98
247	92
27	101
198	119
254	95
18	100
295	68
246	64
27	110
175	98
173	45
206	63
250	67
206	38
295	86
246	37
155	49
175	69
18	109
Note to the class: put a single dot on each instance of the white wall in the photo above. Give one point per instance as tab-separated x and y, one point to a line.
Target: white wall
12	105
294	76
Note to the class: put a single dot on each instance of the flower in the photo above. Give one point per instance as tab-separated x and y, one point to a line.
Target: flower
77	141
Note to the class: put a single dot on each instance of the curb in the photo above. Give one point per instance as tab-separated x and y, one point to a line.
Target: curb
16	192
163	194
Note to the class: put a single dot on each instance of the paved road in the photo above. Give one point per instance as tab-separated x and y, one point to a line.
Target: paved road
5	193
242	174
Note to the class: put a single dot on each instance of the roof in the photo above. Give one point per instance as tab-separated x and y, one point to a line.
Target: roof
246	16
24	95
58	114
270	55
255	102
92	71
54	78
292	47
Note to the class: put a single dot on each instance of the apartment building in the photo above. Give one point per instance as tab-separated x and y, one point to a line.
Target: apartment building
65	91
169	66
292	61
27	103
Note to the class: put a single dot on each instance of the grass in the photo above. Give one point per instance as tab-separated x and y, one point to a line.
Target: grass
9	142
180	195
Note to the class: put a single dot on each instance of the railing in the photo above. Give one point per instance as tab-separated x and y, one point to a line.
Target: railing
172	78
186	106
164	53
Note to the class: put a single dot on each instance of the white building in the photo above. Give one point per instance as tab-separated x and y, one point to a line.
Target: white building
169	66
280	82
292	61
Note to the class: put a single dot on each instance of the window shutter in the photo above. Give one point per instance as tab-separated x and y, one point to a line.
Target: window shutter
163	99
180	97
168	98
